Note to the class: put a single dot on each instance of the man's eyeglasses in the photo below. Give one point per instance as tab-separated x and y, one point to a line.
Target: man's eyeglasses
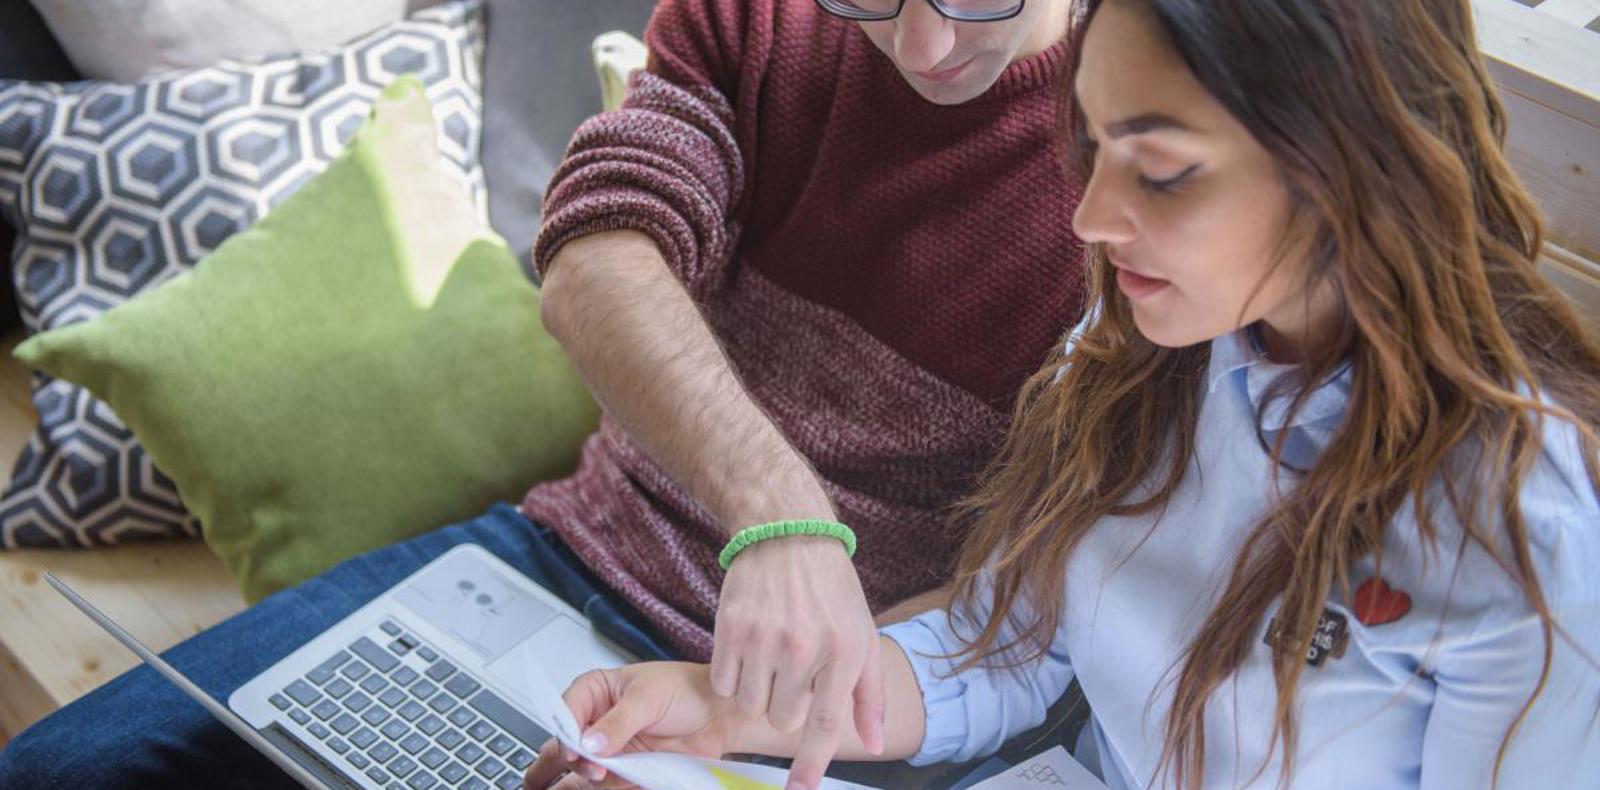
956	10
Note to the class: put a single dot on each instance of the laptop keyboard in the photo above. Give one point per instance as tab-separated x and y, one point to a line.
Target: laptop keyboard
407	718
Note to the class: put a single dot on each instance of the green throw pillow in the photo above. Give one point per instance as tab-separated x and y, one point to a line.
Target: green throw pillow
364	364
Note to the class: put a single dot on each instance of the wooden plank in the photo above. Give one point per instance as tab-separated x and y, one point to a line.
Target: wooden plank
22	701
1578	278
162	593
1539	56
1558	157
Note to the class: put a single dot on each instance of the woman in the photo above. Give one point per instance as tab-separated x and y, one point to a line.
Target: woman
1311	496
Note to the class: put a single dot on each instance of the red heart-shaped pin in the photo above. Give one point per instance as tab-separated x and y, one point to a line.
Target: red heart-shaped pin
1378	603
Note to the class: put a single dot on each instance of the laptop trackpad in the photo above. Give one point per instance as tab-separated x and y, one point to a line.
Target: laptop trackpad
472	602
563	651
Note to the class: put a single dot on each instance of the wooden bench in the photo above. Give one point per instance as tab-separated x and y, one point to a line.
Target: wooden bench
50	654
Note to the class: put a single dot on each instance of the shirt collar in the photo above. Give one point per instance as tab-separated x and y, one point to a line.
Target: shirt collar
1240	354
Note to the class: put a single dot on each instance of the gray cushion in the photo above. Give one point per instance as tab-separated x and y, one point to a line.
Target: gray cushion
539	84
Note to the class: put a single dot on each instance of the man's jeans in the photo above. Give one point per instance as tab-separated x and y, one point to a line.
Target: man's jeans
139	731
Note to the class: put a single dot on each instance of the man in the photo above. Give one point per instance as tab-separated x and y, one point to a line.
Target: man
806	269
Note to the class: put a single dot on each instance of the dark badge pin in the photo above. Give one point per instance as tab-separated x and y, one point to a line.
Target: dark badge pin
1330	639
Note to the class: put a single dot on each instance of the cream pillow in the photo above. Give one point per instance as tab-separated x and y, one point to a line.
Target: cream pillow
127	40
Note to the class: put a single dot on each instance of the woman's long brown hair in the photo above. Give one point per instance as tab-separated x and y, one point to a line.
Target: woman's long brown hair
1388	133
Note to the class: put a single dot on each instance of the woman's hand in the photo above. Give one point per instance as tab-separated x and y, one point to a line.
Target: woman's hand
655	707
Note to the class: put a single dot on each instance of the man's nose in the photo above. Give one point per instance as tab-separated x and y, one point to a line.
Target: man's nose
923	39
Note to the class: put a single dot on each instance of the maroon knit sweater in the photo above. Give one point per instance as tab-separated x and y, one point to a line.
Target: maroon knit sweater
883	273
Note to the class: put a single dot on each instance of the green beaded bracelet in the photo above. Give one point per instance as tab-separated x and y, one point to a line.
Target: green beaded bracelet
784	529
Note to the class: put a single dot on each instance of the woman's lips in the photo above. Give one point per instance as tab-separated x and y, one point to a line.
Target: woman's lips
1137	286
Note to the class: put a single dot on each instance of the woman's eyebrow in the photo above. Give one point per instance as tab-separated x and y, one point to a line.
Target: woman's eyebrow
1144	124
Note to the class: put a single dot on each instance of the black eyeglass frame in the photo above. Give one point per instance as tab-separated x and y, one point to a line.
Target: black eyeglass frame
840	10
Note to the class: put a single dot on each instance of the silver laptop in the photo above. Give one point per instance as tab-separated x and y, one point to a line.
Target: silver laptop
422	688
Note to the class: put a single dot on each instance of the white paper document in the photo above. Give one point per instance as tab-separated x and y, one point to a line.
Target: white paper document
652	771
1051	770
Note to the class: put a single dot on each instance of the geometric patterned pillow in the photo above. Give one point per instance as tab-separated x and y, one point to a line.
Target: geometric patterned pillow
117	188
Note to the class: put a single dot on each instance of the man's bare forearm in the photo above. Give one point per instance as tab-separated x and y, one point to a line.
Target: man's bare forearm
652	361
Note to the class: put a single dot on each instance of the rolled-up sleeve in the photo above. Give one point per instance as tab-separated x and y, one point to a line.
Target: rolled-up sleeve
973	712
667	163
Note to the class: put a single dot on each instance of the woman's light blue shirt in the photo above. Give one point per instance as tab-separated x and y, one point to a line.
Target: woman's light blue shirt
1421	702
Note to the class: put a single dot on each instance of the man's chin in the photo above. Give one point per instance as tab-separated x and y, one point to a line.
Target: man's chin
949	93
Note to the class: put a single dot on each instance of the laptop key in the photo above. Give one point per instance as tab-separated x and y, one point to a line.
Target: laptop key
491	768
357	702
501	744
521	759
510	780
325	709
442	703
377	774
427	653
279	701
482	731
358	759
402	766
302	692
411	711
434	757
450	738
375	715
338	744
462	717
382	753
474	783
318	730
421	780
423	690
462	686
510	719
363	738
356	670
404	675
338	688
441	670
324	671
374	655
453	772
399	648
374	684
395	730
413	743
390	628
431	725
393	697
470	753
300	716
344	724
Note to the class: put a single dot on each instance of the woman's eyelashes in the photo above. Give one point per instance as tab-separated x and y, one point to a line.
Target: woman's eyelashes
1167	185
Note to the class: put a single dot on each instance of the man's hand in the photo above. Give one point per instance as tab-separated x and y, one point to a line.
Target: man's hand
795	642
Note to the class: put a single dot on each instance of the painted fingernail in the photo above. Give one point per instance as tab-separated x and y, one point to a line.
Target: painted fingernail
593	741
